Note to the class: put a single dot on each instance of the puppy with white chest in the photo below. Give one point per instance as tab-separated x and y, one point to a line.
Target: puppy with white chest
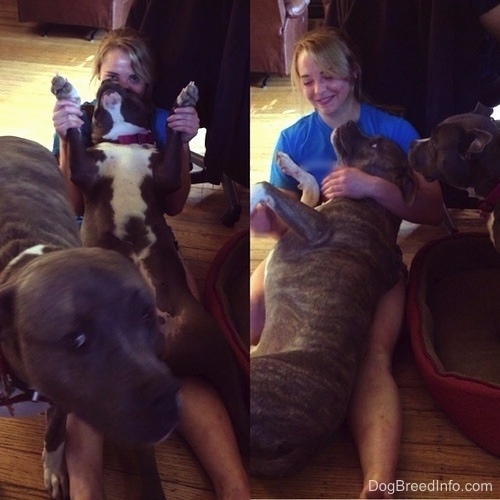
323	281
123	181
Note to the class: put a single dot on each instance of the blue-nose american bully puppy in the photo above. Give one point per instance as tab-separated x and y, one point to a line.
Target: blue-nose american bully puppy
120	181
464	151
323	281
77	325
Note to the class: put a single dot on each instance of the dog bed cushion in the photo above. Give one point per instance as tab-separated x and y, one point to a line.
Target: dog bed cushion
226	295
453	316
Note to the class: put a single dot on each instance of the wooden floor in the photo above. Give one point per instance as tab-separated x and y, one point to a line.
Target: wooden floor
433	449
27	63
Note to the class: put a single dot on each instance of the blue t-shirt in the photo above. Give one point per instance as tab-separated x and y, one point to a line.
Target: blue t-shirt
308	144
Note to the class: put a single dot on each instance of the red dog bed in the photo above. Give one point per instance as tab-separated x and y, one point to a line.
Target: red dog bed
453	316
226	295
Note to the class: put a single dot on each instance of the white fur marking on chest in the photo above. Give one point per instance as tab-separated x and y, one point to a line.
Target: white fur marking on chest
124	128
127	166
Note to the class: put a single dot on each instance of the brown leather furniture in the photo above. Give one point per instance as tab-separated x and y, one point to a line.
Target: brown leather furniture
275	26
103	14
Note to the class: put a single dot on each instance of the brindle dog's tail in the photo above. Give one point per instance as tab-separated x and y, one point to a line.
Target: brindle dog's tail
293	412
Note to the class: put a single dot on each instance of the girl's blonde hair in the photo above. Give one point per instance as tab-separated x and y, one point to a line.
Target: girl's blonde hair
334	52
135	45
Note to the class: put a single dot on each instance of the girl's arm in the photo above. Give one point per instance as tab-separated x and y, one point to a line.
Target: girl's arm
427	207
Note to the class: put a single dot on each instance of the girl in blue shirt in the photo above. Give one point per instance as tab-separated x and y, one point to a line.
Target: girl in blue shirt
124	56
308	142
327	73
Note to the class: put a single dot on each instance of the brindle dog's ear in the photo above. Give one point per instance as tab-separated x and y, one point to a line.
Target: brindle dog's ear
481	109
409	187
480	140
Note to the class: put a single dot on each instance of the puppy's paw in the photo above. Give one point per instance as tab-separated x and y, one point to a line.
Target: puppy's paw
55	476
188	97
63	89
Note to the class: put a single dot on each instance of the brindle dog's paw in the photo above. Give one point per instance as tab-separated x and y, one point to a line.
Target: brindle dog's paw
306	182
188	97
259	194
287	165
63	89
55	476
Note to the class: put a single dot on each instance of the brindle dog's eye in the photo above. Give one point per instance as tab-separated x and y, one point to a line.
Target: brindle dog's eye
374	144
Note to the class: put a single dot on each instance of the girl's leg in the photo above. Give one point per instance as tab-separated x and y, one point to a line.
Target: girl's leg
375	414
206	426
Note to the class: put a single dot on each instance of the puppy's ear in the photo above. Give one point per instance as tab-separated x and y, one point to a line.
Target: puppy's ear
481	138
409	187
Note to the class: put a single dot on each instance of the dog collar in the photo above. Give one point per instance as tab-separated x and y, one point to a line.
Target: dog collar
488	204
146	138
12	390
11	394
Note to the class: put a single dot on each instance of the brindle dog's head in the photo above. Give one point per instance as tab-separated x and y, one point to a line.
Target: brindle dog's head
377	156
118	112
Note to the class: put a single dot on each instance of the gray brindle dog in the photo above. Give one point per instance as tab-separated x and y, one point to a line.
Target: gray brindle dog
77	325
464	151
322	284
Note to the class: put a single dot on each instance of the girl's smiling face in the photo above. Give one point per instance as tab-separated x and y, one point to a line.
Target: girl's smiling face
326	93
116	66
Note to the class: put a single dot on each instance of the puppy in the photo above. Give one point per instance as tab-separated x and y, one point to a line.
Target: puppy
123	183
323	282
